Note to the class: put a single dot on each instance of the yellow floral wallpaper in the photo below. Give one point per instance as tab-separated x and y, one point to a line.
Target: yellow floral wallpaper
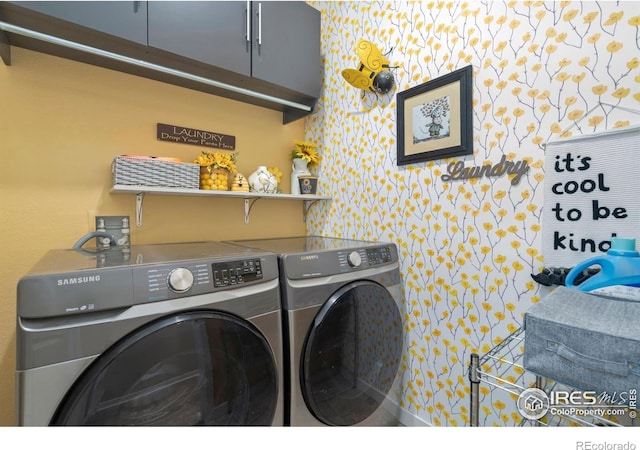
540	69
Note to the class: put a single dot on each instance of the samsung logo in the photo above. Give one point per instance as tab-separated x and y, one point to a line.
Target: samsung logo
78	280
308	257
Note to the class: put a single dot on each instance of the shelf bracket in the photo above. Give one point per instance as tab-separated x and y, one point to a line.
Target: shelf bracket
248	204
306	206
139	198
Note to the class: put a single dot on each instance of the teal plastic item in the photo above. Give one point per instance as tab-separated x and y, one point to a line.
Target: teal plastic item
619	267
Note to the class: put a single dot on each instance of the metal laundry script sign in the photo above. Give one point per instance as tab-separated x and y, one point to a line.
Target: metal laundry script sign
516	170
182	135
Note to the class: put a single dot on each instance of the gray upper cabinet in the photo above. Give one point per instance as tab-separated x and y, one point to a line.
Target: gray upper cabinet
266	53
277	42
127	20
210	32
286	45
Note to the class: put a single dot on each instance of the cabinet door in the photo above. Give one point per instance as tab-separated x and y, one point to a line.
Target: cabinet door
286	45
127	20
214	33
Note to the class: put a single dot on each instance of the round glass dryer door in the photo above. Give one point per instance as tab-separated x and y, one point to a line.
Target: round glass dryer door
352	354
194	368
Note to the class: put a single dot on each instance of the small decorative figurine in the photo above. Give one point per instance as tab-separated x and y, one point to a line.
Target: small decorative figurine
240	183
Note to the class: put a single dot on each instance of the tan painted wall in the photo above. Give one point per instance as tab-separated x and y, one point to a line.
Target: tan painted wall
61	125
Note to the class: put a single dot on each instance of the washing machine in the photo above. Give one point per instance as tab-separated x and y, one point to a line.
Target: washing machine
166	335
342	315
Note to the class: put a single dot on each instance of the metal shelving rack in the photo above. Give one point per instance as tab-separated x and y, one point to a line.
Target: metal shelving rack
501	368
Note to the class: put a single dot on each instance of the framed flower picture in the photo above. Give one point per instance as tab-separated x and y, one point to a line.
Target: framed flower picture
434	119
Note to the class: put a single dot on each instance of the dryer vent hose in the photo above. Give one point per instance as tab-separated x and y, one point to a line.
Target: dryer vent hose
94	234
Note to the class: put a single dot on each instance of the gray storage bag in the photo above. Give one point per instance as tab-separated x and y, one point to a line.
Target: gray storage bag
585	341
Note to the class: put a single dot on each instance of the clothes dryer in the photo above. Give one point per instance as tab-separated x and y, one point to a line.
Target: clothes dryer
168	334
342	305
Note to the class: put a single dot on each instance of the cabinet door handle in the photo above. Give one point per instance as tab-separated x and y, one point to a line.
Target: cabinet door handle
259	23
248	17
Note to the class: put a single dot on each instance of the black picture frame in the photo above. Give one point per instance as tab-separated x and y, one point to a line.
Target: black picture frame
434	120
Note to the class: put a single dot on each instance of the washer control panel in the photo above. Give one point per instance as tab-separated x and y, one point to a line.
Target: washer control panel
180	280
70	282
165	281
354	259
236	272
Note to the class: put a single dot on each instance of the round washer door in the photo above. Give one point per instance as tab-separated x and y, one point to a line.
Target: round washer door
352	354
193	368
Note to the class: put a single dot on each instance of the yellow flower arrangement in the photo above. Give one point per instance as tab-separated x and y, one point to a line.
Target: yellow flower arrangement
306	151
217	160
275	172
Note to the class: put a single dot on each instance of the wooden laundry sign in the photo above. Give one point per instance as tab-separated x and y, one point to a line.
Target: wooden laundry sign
591	195
182	135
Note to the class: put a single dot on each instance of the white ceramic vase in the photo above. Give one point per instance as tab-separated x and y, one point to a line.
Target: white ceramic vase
298	168
262	181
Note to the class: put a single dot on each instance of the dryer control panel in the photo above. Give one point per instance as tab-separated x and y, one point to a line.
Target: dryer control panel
367	257
325	263
377	256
